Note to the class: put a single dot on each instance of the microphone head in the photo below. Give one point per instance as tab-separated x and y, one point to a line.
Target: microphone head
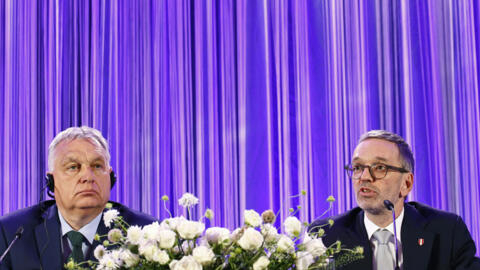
388	204
19	232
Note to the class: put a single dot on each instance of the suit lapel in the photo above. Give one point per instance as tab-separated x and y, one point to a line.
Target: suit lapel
352	236
416	242
48	237
101	230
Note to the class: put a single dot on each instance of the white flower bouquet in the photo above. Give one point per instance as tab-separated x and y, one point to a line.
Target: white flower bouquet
179	243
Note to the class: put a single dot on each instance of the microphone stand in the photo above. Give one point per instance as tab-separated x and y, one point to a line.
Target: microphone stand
18	234
390	207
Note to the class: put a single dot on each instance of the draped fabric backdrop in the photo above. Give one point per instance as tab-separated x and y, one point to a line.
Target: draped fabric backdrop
243	103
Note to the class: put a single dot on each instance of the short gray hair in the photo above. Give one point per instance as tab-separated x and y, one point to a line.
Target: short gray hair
72	133
406	154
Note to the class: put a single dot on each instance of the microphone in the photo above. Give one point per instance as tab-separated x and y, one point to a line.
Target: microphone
390	207
18	234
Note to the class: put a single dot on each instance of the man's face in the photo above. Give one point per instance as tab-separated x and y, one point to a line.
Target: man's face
82	176
395	186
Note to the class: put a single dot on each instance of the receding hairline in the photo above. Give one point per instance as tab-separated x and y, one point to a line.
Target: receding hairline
69	157
404	150
90	134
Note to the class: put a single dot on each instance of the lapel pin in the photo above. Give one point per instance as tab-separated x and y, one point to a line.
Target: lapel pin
421	241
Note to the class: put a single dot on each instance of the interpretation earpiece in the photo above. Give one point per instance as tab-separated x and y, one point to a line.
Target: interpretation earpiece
113	179
49	182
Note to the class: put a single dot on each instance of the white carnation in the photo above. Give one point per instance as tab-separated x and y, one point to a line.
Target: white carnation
188	200
186	263
285	244
134	234
107	262
252	218
251	239
261	264
217	235
110	216
293	226
204	255
304	260
190	229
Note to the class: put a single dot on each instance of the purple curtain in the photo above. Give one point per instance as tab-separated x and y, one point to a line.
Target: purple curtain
243	103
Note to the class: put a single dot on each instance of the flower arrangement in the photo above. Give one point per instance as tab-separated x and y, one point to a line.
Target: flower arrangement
179	243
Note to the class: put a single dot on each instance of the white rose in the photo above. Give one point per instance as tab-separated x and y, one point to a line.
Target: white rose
261	263
129	258
217	235
293	226
252	218
99	252
186	263
148	250
151	231
285	244
172	223
161	256
315	247
236	234
190	229
110	216
203	255
251	239
134	234
188	200
167	239
270	233
304	260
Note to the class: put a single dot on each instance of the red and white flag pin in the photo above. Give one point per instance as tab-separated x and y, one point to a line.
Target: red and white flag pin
421	241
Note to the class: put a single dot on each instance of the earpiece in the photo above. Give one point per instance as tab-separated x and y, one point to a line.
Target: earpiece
50	183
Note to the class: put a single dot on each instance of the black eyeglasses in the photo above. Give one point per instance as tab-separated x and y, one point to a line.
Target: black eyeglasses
376	170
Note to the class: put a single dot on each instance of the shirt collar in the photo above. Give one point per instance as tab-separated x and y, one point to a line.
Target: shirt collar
88	231
372	227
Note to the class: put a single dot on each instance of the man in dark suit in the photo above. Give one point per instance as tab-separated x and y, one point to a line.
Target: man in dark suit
80	177
382	168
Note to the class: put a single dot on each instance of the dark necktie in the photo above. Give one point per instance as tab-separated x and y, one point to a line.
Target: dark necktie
76	239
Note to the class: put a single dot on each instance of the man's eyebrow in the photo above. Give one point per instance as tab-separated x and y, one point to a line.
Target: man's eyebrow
67	160
376	158
99	159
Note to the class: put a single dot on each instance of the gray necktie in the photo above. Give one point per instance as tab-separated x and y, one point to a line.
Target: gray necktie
383	256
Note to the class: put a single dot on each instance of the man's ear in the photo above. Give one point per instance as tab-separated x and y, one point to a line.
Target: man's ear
407	185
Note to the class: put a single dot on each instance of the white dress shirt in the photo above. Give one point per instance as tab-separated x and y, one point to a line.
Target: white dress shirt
372	228
88	231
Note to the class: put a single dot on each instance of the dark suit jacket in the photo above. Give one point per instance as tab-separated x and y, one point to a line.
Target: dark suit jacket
40	245
447	243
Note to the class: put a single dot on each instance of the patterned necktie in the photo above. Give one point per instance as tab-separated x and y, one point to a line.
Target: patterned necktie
383	256
76	239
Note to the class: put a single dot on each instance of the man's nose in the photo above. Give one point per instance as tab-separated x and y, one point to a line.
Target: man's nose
87	175
366	176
